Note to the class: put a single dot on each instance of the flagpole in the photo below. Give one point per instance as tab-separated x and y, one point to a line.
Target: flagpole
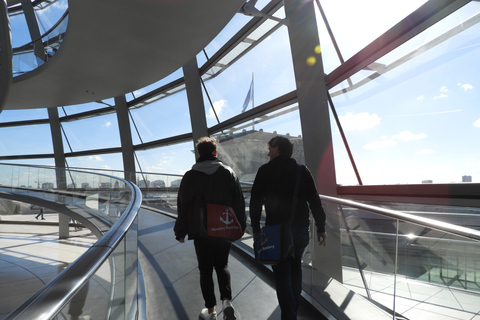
253	100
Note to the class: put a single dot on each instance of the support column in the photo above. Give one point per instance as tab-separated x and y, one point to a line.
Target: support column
195	101
315	122
59	154
5	55
125	138
34	30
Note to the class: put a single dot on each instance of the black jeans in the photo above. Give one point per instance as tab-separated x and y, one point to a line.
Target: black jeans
288	276
213	253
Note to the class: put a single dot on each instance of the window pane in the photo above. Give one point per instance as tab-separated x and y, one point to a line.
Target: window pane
93	133
271	75
163	118
417	120
26	140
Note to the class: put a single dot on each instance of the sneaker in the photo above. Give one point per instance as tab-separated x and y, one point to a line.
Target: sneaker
208	316
228	311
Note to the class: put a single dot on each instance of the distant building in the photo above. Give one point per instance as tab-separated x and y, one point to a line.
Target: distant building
246	151
427	181
466	178
175	183
47	185
158	184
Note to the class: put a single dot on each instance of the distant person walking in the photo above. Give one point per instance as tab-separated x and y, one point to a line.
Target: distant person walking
40	214
273	188
209	181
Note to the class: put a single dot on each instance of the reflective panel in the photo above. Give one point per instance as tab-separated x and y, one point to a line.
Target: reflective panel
176	158
101	161
355	24
22	115
160	119
36	139
85	134
425	134
230	91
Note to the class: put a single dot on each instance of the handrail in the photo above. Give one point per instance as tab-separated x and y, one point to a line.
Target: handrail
50	300
422	221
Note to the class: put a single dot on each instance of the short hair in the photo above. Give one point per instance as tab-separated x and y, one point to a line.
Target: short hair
206	146
285	147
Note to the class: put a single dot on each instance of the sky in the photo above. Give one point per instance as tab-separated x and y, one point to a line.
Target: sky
418	121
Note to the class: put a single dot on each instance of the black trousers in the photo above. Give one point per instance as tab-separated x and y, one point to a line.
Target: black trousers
213	254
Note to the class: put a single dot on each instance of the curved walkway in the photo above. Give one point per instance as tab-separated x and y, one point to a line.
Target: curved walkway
172	277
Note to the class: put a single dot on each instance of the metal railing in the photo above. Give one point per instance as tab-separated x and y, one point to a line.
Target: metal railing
114	256
398	259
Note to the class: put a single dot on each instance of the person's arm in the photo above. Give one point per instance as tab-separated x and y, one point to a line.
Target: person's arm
181	224
257	197
239	205
322	238
316	207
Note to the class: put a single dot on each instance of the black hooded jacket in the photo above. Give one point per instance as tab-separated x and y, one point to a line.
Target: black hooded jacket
274	186
209	181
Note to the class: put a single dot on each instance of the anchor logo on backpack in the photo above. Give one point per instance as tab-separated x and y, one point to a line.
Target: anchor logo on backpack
227	215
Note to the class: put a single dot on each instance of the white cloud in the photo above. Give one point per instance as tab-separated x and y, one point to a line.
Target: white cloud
164	164
95	158
443	89
466	86
409	136
441	96
108	124
106	167
219	106
360	121
421	98
384	142
425	151
477	123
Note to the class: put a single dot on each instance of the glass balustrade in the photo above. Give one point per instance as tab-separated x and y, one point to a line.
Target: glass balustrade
103	282
410	269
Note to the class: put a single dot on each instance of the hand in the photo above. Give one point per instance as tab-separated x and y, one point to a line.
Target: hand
322	239
181	240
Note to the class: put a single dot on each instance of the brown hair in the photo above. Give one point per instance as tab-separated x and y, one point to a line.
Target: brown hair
206	146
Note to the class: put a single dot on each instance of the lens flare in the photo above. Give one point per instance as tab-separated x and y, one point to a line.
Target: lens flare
318	50
311	61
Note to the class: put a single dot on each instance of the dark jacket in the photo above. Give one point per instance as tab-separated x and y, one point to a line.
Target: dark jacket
209	181
273	187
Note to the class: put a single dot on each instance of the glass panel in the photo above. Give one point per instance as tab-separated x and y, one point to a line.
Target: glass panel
139	92
19	30
404	140
373	240
355	24
228	91
23	115
163	118
174	159
423	274
93	133
79	108
102	161
49	15
26	140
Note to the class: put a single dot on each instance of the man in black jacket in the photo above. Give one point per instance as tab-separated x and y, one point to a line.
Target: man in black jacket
209	181
274	187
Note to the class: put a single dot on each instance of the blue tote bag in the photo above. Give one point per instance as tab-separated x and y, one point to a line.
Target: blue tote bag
274	244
